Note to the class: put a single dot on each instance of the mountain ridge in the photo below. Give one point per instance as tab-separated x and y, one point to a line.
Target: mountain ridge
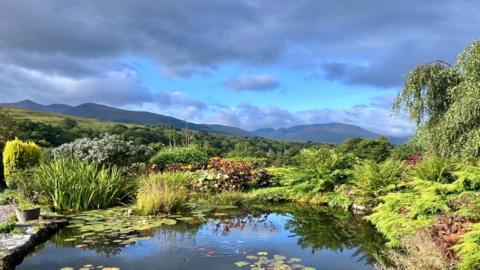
328	133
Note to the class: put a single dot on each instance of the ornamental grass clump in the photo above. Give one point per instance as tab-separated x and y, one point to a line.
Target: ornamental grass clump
69	184
163	193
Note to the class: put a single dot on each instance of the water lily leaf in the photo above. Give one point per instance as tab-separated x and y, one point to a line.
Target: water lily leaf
262	253
184	218
226	206
292	260
73	226
242	264
169	221
252	257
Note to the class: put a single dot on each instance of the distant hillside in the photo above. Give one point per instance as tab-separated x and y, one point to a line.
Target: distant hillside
32	106
112	114
329	133
232	130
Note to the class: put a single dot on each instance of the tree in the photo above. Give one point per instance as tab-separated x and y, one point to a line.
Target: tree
443	100
377	150
69	123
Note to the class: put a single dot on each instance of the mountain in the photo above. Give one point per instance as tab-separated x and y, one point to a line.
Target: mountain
328	133
106	113
33	106
232	130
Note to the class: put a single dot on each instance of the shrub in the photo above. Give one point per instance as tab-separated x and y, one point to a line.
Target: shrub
469	249
69	184
162	193
325	168
186	155
19	155
436	169
403	213
106	150
231	175
374	179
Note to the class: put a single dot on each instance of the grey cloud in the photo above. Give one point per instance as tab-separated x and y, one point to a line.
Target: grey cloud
115	87
378	42
258	83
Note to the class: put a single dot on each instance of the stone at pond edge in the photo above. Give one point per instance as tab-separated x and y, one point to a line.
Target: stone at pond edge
14	247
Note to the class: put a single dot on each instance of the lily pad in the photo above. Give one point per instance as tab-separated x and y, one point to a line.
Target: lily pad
168	221
184	218
242	264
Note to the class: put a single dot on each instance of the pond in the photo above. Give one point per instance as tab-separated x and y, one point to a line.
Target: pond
277	237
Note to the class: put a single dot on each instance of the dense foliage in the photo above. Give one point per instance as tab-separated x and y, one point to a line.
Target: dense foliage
377	150
17	156
106	150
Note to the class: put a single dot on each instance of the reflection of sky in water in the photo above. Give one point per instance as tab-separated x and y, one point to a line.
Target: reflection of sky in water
205	249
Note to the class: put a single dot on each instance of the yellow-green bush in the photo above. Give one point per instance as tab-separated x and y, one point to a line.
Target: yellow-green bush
469	249
19	155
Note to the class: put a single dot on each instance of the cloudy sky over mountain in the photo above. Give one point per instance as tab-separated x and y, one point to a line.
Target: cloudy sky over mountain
250	64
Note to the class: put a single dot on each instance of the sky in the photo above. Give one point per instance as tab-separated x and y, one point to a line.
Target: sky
245	63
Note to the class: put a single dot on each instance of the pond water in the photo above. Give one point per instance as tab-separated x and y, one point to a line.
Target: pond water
281	237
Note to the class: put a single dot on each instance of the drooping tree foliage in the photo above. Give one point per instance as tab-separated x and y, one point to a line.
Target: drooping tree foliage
444	100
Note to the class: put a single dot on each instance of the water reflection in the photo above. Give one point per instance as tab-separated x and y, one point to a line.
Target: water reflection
321	237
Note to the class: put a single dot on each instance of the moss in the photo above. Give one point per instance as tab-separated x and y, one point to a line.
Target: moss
9	225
